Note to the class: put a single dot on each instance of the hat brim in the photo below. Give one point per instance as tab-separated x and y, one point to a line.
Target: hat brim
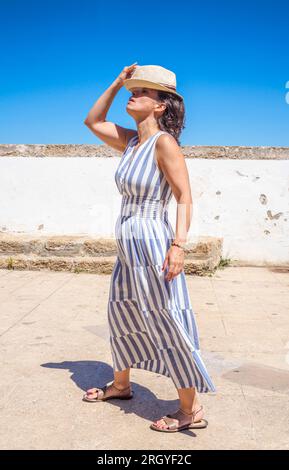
130	83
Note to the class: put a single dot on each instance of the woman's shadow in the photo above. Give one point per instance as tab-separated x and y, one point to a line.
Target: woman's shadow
88	374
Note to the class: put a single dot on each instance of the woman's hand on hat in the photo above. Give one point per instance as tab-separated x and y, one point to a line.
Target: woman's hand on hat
126	72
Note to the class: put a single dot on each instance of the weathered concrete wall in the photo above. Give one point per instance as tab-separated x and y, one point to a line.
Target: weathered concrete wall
239	193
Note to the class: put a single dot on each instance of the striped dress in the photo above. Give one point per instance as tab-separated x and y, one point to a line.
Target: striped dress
151	322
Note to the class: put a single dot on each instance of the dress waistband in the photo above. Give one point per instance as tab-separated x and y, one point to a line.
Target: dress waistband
144	207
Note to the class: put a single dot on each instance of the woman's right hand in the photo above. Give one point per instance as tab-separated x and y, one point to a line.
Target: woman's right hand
126	73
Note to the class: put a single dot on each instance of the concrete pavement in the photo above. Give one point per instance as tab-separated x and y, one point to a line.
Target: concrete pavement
54	345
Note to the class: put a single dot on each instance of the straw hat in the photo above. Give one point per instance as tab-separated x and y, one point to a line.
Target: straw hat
152	76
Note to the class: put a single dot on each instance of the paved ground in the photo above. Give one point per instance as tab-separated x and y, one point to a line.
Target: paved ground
54	344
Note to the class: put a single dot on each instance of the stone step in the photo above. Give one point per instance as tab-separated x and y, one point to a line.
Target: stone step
98	265
86	254
55	245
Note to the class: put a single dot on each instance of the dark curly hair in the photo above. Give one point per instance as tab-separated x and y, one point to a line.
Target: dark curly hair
173	118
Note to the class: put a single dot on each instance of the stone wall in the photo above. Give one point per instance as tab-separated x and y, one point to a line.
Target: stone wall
240	194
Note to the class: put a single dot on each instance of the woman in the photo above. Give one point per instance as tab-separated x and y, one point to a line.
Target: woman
152	324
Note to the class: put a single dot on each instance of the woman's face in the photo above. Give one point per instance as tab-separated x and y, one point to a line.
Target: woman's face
143	102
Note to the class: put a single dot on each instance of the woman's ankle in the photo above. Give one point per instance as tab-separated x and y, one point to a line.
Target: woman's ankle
189	410
121	386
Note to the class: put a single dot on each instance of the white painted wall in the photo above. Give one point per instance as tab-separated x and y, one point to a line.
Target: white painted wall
59	195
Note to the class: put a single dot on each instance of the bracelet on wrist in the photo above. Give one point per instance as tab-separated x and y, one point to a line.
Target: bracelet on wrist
177	244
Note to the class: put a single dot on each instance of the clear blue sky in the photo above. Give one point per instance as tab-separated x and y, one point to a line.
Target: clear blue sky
231	59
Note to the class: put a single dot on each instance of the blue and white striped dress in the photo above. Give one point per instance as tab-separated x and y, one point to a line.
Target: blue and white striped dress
151	322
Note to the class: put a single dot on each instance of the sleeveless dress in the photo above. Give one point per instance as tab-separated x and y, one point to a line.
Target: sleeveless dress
151	321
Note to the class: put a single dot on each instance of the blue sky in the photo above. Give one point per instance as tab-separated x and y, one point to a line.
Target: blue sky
231	59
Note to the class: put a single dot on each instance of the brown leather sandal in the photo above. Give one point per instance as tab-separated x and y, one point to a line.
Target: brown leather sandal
173	423
121	394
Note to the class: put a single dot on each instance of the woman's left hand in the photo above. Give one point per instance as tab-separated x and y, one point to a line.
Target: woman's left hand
175	262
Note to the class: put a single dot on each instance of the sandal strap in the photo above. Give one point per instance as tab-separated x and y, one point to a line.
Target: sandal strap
101	392
104	389
120	390
193	412
174	423
171	422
